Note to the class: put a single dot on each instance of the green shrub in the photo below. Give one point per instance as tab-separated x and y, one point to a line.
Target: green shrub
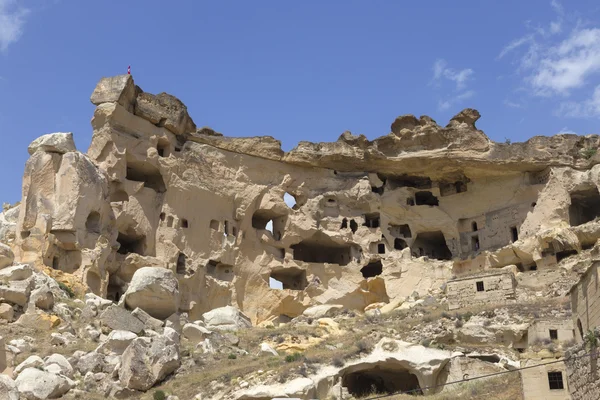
591	339
293	357
159	395
338	362
232	356
66	289
589	152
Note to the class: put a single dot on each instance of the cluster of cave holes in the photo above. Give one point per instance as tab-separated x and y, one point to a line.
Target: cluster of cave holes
182	222
214	226
289	278
353	225
585	206
381	379
147	173
447	189
319	248
372	220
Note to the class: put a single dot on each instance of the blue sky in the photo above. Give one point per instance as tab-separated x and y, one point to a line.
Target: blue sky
303	70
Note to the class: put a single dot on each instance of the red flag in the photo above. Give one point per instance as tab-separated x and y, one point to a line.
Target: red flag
129	70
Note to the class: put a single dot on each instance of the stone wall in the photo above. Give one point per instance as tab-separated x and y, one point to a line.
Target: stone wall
494	288
540	330
582	373
535	381
585	302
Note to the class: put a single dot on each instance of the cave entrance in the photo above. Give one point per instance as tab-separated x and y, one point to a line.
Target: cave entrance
585	206
400	231
145	172
131	243
381	380
372	269
291	278
426	199
320	248
433	245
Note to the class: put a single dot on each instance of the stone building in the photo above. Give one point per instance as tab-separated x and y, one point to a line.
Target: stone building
582	371
546	382
491	288
585	302
550	329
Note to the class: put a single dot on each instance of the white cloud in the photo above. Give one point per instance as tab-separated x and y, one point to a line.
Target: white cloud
12	19
512	104
567	65
566	130
584	109
446	104
460	78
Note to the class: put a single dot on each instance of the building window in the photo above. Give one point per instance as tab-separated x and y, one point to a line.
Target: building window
555	380
475	243
474	226
553	334
479	286
184	223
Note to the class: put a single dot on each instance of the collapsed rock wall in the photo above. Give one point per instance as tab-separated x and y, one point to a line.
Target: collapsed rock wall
372	221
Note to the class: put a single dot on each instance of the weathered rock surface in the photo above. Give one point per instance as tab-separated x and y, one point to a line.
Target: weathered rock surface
34	384
6	256
154	290
147	361
53	143
8	388
226	318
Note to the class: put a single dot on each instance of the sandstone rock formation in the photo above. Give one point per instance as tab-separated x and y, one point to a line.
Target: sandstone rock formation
174	234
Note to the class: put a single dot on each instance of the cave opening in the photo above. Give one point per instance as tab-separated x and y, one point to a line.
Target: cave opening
92	224
290	278
372	220
400	244
353	226
372	269
381	380
147	173
585	206
561	255
220	271
131	243
320	248
433	245
181	261
426	199
270	221
418	182
402	231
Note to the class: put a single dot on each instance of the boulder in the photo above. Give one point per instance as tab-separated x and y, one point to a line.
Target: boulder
166	111
116	342
16	273
195	333
226	318
6	311
42	297
16	292
148	321
91	362
266	349
30	362
8	388
58	364
6	256
115	89
53	143
147	361
118	318
62	339
322	310
34	384
8	224
154	290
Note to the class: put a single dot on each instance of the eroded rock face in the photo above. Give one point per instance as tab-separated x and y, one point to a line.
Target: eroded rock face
172	219
53	143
